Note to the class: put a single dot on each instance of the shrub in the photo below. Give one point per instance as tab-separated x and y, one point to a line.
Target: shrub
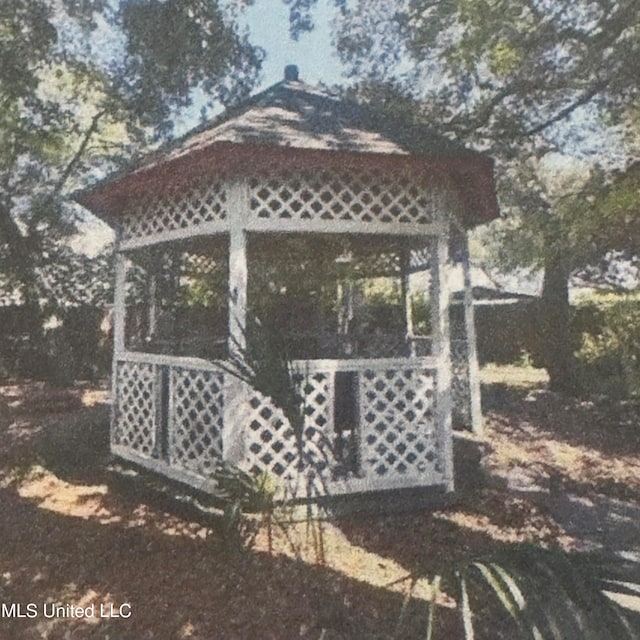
608	359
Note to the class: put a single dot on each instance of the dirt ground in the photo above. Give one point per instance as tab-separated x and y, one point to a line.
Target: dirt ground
551	472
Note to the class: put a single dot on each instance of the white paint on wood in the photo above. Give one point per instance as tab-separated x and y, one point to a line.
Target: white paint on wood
440	298
472	353
174	235
236	419
238	205
119	304
406	300
284	225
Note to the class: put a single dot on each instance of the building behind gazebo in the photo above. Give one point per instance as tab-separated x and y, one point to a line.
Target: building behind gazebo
275	212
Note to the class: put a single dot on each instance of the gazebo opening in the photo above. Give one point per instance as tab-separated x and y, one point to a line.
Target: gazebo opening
177	298
339	297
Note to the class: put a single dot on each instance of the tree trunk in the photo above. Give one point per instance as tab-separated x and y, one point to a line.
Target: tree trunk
557	349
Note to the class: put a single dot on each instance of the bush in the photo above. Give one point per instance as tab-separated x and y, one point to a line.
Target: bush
608	359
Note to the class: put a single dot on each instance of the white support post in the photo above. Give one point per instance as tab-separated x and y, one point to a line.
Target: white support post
152	292
119	314
238	204
406	301
236	401
119	304
442	350
470	330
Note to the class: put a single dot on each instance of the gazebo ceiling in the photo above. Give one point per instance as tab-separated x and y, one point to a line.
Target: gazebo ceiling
293	126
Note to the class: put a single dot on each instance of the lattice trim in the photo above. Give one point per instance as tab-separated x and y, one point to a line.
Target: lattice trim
398	427
196	420
135	409
356	197
168	213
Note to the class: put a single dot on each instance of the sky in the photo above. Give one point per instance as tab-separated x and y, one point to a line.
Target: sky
268	21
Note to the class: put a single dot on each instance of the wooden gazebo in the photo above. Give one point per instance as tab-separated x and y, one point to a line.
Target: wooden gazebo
276	211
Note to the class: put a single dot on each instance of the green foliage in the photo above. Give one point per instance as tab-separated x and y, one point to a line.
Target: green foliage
177	45
513	68
546	594
84	86
608	327
549	594
242	494
264	364
508	76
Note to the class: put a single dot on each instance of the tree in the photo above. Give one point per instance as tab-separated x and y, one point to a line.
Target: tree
520	79
88	85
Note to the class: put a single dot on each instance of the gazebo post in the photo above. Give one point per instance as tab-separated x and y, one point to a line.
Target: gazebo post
442	350
470	331
236	396
238	270
119	301
406	299
153	305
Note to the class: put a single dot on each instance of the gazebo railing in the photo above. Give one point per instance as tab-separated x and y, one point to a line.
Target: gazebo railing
168	415
369	424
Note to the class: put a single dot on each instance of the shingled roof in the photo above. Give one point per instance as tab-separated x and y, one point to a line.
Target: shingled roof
293	121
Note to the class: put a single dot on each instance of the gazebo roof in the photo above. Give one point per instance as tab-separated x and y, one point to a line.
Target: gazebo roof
292	125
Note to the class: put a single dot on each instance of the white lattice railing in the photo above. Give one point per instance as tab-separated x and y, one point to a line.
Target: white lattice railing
398	425
173	415
196	415
169	415
136	408
395	442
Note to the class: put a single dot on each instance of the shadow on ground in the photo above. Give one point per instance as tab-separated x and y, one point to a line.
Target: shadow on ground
71	535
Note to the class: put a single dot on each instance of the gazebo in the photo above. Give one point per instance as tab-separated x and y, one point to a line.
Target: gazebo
295	213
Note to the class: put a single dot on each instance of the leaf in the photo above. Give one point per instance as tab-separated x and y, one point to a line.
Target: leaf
465	609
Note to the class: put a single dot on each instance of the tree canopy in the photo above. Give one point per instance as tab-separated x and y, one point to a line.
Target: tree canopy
521	79
89	84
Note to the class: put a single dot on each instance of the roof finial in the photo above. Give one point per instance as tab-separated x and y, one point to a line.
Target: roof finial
291	73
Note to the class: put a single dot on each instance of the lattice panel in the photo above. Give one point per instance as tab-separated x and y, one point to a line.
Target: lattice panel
168	213
135	412
269	439
460	389
357	197
199	264
398	423
318	391
197	401
420	259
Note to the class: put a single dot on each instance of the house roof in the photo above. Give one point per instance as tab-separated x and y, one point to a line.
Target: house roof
292	125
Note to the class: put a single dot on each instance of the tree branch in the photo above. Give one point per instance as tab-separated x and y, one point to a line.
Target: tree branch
80	152
568	110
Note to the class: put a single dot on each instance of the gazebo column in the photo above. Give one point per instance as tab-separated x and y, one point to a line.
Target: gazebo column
406	300
236	400
442	350
119	302
238	277
473	370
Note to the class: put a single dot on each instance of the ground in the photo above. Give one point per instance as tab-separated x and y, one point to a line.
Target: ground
551	472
